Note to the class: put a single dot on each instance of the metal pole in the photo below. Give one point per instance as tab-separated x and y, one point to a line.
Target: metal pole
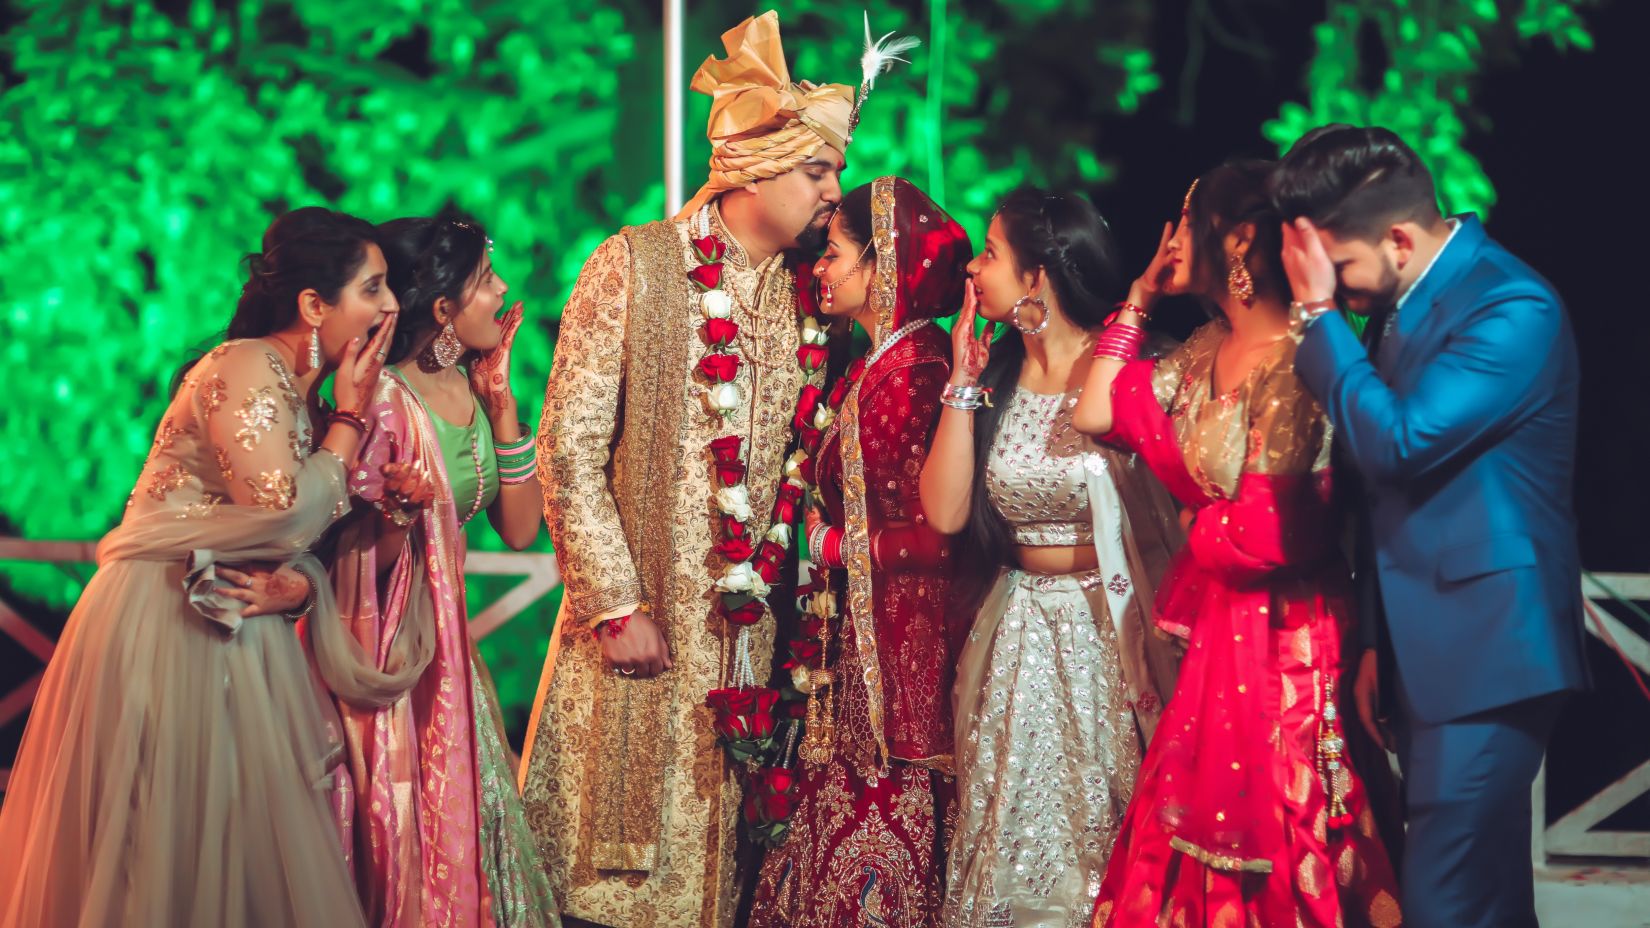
673	107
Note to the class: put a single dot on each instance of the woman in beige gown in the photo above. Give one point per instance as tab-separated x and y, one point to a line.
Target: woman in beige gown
174	769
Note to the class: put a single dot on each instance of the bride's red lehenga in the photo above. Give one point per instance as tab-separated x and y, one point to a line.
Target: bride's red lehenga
1247	810
864	843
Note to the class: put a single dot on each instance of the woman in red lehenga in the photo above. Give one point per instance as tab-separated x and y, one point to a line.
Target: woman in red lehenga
1247	812
863	846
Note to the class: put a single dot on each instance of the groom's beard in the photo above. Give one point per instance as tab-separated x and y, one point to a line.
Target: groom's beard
812	238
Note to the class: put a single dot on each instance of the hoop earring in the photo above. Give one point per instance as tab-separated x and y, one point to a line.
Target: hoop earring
1015	317
315	348
444	350
1239	282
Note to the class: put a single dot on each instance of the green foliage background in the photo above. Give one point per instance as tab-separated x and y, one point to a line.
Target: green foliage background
145	144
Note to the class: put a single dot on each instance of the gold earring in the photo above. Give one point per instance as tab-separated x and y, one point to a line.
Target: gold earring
1239	282
444	350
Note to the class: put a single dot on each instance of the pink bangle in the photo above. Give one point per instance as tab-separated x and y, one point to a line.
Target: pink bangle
1120	342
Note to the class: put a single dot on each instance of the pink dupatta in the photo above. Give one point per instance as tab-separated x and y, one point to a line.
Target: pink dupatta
411	814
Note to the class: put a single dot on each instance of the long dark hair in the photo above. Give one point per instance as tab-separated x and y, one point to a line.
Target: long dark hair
428	259
309	248
1065	235
1226	197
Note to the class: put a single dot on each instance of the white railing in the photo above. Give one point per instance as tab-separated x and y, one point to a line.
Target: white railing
1574	834
538	572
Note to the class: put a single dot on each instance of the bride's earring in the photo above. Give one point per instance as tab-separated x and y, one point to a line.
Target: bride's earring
315	348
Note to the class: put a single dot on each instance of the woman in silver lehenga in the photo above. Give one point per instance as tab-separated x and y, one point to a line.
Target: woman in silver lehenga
1060	679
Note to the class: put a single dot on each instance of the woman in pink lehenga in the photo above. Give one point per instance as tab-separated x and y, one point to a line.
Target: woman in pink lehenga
432	817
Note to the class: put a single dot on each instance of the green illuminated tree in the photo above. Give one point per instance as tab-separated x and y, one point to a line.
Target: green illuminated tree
1435	54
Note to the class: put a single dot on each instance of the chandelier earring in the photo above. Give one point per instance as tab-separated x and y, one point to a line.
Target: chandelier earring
1238	280
1015	317
315	348
444	350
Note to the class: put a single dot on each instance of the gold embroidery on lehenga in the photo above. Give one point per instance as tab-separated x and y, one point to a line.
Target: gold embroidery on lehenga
273	489
166	480
257	415
224	467
213	394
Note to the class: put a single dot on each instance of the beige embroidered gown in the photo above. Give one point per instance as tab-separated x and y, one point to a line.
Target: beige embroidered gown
633	803
174	769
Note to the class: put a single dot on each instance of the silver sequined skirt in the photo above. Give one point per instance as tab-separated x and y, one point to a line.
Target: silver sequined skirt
1046	755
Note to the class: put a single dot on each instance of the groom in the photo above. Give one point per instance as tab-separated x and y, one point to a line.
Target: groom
634	805
1460	416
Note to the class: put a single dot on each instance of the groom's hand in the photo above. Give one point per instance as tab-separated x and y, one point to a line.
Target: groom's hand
1366	694
638	650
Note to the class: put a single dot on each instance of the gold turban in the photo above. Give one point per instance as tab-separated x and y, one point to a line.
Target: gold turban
761	124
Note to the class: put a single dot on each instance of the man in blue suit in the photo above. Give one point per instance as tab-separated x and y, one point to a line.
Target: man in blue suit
1459	416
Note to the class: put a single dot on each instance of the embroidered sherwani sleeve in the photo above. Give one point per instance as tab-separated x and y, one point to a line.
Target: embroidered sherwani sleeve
576	439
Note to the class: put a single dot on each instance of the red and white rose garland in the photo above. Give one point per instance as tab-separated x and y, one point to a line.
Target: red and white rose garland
745	717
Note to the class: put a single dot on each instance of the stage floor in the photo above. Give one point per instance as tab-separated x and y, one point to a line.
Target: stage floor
1606	896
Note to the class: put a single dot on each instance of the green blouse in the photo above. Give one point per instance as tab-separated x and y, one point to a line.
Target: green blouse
467	452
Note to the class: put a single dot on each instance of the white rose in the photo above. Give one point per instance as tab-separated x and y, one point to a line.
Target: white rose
715	304
780	535
822	605
802	679
812	334
738	578
823	417
724	398
734	501
793	467
759	587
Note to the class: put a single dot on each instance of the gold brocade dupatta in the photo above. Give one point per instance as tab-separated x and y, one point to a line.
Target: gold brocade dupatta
856	529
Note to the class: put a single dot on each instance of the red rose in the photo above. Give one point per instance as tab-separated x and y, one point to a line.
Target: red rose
753	810
742	701
748	614
735	550
806	403
776	806
780	780
811	626
806	470
719	367
732	528
761	725
807	287
784	508
771	552
765	697
840	392
706	276
806	652
726	448
730	474
721	332
710	249
811	357
811	437
767	570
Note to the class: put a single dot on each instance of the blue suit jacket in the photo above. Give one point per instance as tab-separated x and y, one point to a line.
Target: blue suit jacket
1464	432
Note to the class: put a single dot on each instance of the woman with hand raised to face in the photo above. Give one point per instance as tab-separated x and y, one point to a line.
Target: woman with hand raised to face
435	824
175	767
1249	811
1059	681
